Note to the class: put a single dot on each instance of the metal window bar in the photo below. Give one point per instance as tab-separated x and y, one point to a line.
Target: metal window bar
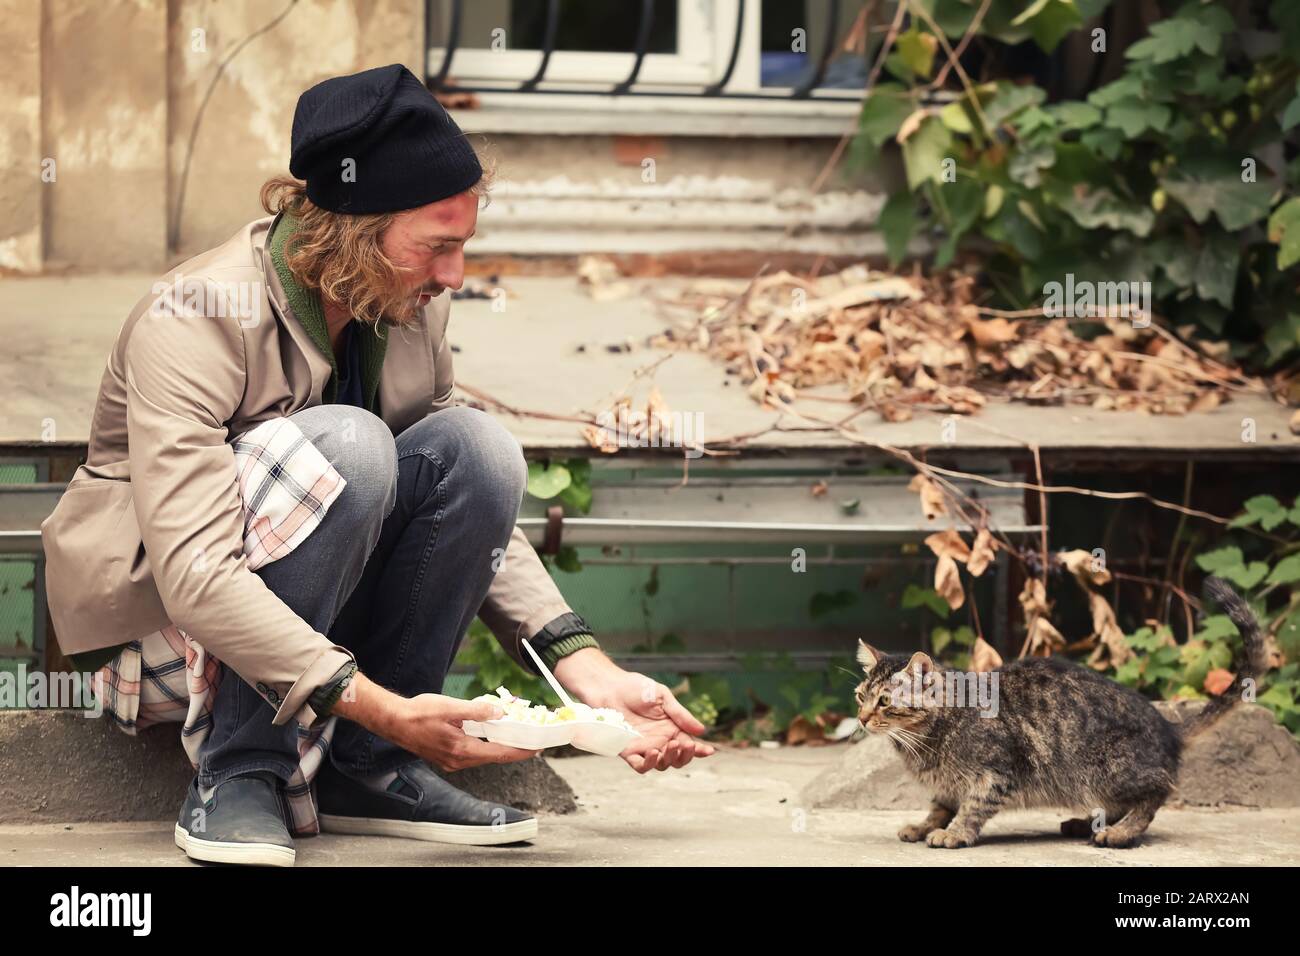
716	90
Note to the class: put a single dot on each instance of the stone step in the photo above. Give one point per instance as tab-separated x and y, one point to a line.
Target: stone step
58	766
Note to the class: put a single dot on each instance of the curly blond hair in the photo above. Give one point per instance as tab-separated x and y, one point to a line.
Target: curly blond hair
342	257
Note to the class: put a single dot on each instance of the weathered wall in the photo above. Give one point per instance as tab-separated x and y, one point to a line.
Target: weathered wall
243	137
20	136
574	194
104	111
164	118
110	90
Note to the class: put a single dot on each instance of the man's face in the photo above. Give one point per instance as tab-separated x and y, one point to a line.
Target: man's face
428	244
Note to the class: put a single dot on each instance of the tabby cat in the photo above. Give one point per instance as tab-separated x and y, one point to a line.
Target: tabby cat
1056	734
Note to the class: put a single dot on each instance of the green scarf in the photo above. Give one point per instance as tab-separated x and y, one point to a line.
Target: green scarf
307	309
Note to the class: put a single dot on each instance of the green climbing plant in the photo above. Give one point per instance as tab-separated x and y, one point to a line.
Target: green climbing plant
1175	173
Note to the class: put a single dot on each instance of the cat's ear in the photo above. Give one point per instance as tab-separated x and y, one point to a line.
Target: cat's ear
868	656
920	664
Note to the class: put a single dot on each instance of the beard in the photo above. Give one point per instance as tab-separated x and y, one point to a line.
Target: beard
387	298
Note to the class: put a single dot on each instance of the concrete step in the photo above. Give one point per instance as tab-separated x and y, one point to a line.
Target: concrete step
57	766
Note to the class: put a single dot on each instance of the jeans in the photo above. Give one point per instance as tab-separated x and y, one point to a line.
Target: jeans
396	572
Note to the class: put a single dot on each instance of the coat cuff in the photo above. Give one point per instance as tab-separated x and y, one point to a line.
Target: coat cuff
295	704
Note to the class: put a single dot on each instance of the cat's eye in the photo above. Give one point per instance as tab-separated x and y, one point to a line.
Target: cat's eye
884	700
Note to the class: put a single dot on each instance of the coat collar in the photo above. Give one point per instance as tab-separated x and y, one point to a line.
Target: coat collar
305	305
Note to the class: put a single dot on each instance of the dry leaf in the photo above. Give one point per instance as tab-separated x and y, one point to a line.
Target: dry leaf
1218	680
912	123
981	553
984	657
948	544
1044	639
899	342
991	332
602	439
1086	568
932	503
819	489
947	581
1112	647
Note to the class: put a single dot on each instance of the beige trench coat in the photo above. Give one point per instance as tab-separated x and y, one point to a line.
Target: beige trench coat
150	532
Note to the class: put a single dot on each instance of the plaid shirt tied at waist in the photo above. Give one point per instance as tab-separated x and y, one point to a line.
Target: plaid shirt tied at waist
286	486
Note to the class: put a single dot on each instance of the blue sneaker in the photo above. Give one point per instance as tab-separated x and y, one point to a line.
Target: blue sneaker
241	821
417	805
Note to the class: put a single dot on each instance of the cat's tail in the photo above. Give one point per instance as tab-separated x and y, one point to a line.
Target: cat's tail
1250	664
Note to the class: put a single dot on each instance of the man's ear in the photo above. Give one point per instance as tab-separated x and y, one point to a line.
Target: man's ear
868	656
919	665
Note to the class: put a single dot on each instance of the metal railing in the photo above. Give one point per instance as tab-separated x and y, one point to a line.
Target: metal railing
627	87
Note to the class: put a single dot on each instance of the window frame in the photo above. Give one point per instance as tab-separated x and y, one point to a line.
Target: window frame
705	37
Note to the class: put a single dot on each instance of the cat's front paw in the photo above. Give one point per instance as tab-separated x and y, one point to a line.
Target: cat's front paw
914	832
1116	837
949	839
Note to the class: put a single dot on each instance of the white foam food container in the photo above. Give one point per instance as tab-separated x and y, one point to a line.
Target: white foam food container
593	736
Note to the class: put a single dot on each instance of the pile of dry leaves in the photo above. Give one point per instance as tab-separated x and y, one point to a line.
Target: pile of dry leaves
900	343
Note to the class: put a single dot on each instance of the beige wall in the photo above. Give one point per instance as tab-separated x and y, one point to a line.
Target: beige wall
20	136
243	138
111	90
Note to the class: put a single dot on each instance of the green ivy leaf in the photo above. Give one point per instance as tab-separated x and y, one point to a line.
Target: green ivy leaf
1216	627
1284	229
1291	115
546	482
914	596
1075	116
1132	117
924	152
1008	100
1264	509
1104	141
1216	269
898	222
577	497
883	113
955	117
1221	560
916	49
1049	21
1102	208
1247	577
1287	571
1027	163
1214	185
1281	338
1196	26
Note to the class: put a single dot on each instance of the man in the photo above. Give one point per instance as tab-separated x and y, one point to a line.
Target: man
346	338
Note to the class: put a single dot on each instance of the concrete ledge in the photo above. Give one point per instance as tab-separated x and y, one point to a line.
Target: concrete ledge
57	766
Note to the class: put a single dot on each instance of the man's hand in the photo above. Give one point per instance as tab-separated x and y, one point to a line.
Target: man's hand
428	725
666	727
432	731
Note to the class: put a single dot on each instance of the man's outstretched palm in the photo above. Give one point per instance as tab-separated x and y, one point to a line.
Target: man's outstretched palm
665	726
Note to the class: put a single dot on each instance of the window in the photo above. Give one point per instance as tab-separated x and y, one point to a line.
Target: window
499	46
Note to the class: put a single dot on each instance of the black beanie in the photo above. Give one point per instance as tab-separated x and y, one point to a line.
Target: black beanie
406	150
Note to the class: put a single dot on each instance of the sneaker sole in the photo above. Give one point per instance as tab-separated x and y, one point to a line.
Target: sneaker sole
461	834
247	854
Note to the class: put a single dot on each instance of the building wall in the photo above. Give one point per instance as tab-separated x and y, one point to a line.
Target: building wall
20	136
164	117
